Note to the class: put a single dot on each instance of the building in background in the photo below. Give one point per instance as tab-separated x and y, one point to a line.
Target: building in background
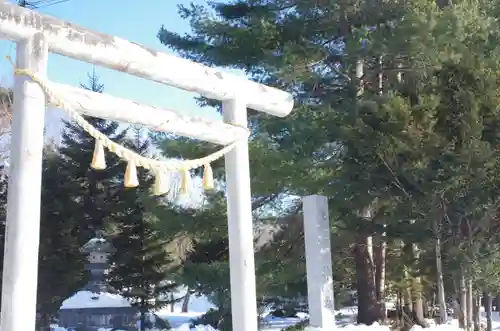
97	305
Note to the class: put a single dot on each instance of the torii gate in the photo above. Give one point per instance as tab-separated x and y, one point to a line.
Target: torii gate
36	34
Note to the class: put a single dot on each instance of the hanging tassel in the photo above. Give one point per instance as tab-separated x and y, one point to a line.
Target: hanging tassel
161	183
98	158
131	179
208	177
185	179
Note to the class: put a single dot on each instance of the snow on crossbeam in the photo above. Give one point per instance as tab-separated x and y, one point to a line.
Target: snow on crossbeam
112	108
64	38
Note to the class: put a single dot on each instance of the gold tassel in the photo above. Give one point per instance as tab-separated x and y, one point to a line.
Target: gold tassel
131	179
208	177
98	158
185	177
161	183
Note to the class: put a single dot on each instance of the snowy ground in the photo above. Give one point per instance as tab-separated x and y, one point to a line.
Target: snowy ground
199	305
345	318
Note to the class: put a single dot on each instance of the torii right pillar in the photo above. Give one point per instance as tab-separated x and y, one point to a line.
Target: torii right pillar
319	263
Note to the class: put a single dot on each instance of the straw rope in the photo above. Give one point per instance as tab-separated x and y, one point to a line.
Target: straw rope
133	159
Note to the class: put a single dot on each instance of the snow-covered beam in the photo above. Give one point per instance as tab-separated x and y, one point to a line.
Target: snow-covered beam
116	109
17	23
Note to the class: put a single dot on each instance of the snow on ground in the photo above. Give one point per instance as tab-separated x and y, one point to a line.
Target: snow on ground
87	299
345	321
276	324
185	327
198	305
349	327
177	319
345	316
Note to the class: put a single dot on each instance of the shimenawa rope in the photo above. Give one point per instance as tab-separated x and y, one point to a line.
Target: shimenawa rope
160	168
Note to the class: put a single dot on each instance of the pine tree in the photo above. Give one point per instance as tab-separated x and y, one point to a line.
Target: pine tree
297	47
394	104
61	266
94	190
141	265
76	200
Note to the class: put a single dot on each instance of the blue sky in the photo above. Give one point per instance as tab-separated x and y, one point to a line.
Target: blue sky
137	21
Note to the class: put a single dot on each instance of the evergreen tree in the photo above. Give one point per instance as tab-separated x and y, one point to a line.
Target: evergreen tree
394	118
141	265
94	190
61	266
76	201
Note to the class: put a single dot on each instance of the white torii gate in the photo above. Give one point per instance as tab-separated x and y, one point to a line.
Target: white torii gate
36	34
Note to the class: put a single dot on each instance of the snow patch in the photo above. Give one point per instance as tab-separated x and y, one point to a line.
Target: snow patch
198	304
440	327
186	327
57	328
87	299
183	327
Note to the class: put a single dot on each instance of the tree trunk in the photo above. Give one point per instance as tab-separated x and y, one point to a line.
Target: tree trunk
418	300
185	302
470	305
399	310
407	307
368	310
407	293
463	301
457	312
426	305
418	310
380	262
477	317
497	303
487	308
443	316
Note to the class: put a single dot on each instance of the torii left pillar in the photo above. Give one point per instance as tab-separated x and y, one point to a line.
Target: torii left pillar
20	271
